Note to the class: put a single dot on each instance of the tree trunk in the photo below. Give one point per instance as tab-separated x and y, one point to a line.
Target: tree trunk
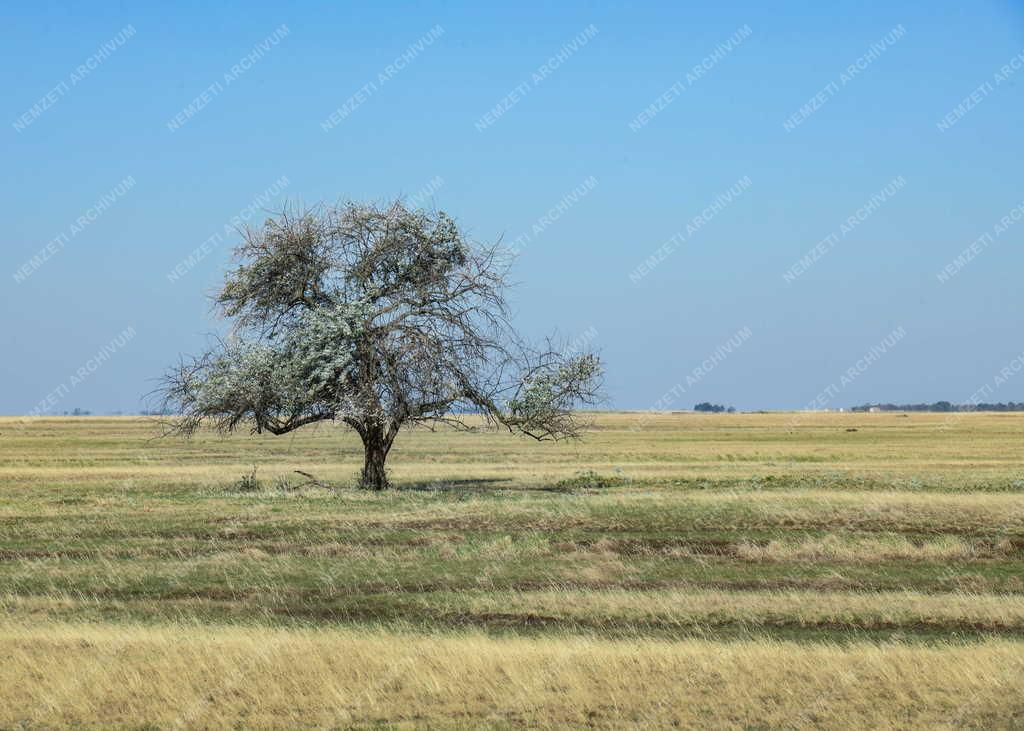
375	452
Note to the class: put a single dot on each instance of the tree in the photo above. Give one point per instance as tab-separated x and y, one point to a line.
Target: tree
375	317
708	407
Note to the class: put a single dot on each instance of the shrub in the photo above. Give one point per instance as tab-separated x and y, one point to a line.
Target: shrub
248	483
590	480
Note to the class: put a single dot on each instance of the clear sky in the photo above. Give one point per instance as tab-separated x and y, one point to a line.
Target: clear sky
727	145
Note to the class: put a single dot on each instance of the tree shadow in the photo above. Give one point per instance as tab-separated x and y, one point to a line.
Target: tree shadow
470	485
462	484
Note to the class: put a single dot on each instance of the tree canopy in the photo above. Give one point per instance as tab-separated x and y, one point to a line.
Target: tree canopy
376	317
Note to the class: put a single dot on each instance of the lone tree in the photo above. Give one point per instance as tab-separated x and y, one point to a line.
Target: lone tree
376	317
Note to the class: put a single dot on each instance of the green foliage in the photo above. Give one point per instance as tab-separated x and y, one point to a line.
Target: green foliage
321	353
551	390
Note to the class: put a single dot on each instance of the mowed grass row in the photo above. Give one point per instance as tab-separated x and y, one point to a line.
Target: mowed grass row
684	569
839	617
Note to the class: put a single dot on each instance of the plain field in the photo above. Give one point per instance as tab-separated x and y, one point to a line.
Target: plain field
768	570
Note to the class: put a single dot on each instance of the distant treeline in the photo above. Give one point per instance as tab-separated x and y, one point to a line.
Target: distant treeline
942	406
710	408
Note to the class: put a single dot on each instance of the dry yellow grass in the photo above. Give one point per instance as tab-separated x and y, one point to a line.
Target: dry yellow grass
833	548
191	677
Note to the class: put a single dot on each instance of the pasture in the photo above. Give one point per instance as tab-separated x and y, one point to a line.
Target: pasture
725	571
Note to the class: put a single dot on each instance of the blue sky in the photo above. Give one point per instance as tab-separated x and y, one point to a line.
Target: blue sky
721	120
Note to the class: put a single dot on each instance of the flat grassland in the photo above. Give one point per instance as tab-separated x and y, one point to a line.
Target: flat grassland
722	571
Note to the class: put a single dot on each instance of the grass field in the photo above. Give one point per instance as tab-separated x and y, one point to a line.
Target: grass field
725	571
